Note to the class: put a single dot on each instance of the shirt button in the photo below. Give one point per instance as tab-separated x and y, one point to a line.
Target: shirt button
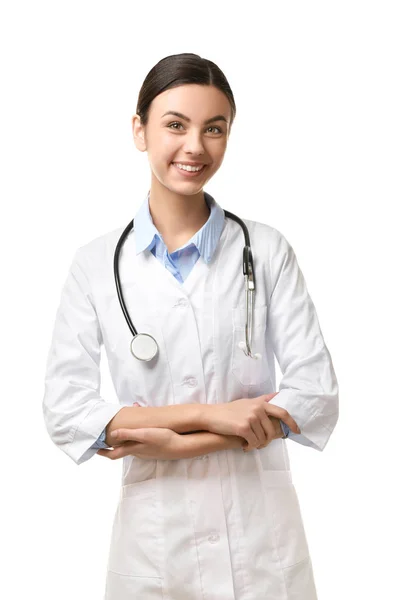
213	538
190	381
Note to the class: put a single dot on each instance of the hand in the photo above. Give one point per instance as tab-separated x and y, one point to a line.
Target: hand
249	418
278	434
148	442
114	442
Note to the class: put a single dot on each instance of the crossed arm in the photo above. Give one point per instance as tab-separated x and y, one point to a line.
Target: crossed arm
177	431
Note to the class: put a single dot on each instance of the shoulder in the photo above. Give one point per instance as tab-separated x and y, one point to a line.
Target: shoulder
99	250
267	238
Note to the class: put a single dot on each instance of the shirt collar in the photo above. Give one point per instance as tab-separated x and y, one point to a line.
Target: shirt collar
205	240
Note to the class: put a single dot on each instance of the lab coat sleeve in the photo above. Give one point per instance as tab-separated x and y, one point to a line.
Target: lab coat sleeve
300	439
308	389
75	414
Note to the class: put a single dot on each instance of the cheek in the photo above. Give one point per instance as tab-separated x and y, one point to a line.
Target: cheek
218	153
161	161
216	163
167	144
221	151
161	146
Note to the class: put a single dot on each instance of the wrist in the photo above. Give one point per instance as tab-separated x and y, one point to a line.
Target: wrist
187	445
198	444
234	441
204	416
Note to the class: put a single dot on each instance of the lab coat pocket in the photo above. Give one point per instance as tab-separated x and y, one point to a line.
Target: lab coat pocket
120	587
284	515
299	581
249	371
136	535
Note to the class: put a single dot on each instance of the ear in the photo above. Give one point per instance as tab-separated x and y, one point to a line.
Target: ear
139	133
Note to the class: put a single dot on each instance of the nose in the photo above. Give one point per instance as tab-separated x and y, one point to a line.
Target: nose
193	143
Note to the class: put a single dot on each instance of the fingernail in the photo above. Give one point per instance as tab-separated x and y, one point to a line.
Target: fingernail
114	434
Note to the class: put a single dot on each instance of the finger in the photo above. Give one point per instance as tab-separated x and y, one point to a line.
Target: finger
269	430
250	437
123	435
119	451
268	434
281	413
108	453
260	432
268	397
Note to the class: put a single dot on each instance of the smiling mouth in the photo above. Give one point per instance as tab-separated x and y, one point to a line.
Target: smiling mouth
189	173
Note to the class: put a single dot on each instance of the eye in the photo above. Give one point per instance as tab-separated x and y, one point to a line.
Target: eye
215	127
174	123
219	130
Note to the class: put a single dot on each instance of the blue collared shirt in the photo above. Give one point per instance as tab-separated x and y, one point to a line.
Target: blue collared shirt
181	261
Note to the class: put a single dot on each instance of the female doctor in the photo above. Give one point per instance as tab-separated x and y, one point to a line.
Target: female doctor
207	506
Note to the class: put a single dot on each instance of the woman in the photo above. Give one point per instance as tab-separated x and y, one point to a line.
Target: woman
227	526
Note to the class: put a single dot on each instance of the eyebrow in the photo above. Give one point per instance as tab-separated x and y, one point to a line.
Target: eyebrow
178	114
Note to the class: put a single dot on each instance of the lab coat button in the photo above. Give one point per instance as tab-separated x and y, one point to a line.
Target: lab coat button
181	302
213	538
191	381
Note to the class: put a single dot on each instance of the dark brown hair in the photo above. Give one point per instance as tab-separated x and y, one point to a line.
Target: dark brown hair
180	69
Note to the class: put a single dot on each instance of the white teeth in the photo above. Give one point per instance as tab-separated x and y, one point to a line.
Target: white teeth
188	167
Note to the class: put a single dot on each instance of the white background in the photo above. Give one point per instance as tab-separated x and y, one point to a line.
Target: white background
314	152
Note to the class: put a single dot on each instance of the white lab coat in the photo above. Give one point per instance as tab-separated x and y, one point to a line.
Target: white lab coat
224	526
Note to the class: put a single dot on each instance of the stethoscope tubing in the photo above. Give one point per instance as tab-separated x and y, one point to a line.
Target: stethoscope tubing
248	272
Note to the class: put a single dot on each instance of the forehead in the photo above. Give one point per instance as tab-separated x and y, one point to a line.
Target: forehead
198	102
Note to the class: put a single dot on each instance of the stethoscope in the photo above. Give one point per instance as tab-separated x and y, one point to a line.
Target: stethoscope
143	345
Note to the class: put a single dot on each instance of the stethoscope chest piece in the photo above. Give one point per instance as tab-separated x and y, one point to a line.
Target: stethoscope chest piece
144	346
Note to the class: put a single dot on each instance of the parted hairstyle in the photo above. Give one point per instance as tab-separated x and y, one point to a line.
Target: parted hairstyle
181	69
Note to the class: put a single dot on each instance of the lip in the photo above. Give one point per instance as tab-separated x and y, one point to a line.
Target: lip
189	163
183	173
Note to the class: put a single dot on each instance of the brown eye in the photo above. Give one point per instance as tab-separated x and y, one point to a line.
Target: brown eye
174	123
171	126
215	127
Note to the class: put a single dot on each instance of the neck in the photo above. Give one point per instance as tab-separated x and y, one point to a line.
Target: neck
177	217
